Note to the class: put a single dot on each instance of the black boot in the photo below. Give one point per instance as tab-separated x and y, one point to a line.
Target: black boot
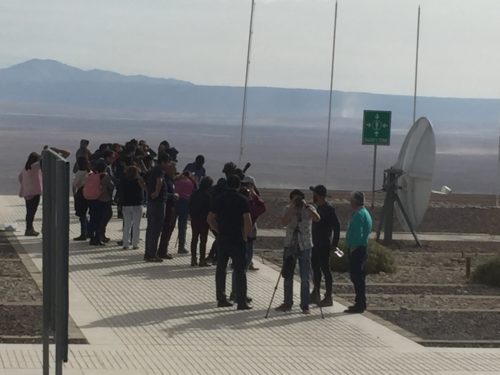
315	297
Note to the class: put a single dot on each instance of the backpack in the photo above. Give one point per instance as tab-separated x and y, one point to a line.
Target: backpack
92	187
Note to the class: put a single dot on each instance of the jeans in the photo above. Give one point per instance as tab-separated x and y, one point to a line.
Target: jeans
131	223
304	258
156	218
199	228
96	210
357	264
236	251
31	208
320	261
181	215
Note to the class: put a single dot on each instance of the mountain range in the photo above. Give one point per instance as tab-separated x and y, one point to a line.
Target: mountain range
50	86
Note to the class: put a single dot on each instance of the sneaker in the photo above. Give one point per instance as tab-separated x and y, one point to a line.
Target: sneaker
283	308
166	256
355	310
245	306
326	302
252	267
224	303
31	233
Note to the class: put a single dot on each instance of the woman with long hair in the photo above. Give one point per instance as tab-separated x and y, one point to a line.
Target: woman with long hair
30	180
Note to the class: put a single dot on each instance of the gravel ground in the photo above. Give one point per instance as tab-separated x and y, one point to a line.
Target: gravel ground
20	298
433	302
20	320
446	325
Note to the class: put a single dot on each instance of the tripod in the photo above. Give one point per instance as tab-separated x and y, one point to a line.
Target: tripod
274	293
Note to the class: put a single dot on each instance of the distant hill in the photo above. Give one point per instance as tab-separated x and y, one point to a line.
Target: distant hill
38	84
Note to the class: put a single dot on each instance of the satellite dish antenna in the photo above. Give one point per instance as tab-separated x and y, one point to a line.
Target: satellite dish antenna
409	182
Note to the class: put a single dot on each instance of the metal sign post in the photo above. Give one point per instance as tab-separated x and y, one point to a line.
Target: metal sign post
55	228
376	131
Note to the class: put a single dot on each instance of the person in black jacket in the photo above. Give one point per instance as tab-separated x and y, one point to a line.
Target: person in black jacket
325	236
199	207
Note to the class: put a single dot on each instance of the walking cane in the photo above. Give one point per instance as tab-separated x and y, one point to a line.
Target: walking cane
321	310
274	293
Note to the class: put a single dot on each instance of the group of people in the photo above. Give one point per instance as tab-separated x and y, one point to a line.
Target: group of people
133	176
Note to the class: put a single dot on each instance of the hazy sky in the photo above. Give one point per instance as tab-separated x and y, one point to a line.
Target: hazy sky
204	41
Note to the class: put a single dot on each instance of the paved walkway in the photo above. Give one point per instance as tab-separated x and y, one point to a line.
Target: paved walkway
161	319
458	237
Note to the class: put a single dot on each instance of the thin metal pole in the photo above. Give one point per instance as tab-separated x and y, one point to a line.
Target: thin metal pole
416	69
243	116
374	174
331	93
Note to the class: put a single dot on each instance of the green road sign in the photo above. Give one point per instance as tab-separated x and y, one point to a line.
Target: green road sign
377	128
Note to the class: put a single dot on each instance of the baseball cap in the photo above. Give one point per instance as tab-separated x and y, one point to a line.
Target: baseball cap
319	189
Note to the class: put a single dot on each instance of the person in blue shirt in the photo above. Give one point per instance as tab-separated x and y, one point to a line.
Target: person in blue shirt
358	231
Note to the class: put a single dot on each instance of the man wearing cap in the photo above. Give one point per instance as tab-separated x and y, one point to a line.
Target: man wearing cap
358	231
230	218
325	237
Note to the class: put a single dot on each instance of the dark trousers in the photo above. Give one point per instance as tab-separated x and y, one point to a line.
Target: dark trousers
199	229
320	262
84	226
106	217
31	208
155	218
181	216
213	250
167	229
96	211
236	251
357	264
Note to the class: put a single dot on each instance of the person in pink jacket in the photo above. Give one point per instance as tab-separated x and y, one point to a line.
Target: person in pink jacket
30	180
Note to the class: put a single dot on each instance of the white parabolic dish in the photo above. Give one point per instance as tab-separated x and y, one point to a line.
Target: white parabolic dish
416	158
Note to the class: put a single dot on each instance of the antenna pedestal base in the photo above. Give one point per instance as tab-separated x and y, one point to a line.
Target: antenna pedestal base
391	187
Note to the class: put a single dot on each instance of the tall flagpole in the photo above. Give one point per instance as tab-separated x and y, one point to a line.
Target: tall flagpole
416	69
243	116
331	94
